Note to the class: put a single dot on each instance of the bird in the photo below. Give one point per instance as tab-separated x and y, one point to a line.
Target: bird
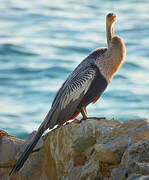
83	86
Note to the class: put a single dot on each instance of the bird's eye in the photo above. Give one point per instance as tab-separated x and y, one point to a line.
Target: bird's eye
111	15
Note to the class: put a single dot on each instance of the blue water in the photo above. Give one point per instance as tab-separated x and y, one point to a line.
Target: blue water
41	42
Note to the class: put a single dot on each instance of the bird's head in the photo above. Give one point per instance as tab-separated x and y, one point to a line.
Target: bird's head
111	17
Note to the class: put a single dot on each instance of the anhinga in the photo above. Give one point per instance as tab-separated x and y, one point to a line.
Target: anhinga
83	86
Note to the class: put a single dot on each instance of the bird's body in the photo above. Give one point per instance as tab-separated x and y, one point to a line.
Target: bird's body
83	86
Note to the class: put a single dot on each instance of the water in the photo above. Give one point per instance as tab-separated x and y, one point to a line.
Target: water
41	42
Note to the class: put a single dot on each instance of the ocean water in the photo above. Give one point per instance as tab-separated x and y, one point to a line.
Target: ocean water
41	42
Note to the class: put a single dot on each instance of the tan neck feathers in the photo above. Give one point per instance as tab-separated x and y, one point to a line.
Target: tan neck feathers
112	59
109	33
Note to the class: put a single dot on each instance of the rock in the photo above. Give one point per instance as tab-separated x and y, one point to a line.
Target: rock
10	149
105	154
138	177
9	146
134	163
91	150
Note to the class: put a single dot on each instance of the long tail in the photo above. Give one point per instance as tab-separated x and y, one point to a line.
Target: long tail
30	147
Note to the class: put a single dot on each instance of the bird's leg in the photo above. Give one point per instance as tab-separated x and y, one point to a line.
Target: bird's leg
84	113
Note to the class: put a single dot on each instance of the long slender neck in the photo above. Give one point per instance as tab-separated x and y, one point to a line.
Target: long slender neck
109	33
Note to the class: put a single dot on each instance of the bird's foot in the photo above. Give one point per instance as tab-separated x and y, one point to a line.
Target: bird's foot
83	119
100	118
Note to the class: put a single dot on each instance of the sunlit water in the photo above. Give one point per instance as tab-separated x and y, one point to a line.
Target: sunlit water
41	42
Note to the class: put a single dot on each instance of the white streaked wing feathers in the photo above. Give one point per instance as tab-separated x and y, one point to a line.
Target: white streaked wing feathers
79	85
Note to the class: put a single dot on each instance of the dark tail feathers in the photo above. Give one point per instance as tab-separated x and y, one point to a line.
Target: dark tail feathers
27	152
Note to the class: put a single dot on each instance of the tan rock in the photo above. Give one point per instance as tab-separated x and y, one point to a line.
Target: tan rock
9	146
105	154
86	151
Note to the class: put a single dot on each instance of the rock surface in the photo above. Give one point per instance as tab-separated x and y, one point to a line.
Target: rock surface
91	150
